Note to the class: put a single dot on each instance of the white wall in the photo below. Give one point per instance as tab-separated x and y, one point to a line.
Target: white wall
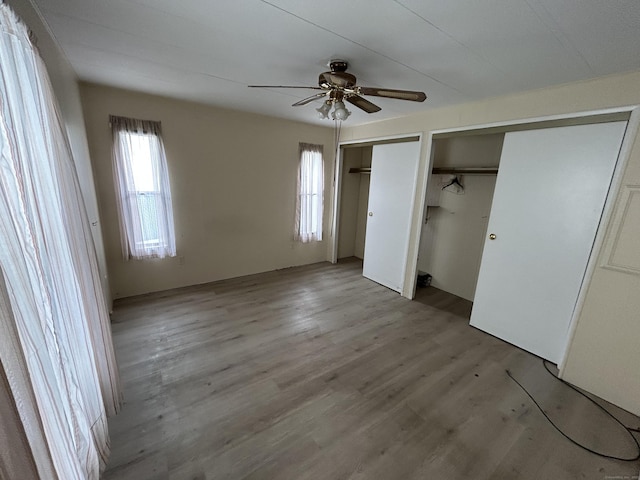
65	86
233	181
453	237
603	356
468	151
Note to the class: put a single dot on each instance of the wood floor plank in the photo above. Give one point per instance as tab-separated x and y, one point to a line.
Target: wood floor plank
318	373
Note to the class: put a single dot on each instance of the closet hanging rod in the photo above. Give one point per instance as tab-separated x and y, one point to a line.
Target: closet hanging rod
443	171
465	171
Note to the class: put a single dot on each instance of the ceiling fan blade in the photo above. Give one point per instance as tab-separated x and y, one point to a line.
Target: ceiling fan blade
284	86
309	99
363	104
389	93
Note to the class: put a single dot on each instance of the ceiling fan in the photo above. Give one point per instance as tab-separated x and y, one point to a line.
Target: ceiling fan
337	85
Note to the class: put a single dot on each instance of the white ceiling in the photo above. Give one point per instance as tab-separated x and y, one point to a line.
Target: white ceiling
456	51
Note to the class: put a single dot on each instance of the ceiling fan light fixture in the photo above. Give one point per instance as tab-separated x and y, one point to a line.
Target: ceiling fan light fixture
340	112
323	111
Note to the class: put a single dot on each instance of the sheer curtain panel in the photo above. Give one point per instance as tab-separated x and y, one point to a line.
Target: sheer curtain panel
310	194
142	189
55	339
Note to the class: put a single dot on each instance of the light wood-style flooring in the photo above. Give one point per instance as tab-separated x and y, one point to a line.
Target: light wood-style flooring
318	373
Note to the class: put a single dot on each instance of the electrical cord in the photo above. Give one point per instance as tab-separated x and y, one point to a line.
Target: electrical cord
628	429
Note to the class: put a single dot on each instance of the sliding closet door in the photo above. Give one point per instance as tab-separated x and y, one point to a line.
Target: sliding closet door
549	197
391	192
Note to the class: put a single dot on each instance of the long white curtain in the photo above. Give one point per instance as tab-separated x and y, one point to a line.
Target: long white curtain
143	192
310	194
56	347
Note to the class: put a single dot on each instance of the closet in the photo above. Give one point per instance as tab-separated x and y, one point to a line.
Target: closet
376	207
456	216
518	244
354	197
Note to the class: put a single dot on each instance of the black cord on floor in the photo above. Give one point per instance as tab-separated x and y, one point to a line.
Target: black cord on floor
628	429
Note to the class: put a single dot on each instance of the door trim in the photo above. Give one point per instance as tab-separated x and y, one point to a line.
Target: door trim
633	127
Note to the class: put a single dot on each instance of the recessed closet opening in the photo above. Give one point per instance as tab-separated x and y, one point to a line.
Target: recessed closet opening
374	204
457	212
352	223
510	220
459	200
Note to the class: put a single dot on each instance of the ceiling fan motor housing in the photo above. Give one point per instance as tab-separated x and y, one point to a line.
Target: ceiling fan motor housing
331	80
337	78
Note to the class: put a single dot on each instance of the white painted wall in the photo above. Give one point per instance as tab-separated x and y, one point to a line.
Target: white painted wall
453	237
468	151
233	181
603	356
65	86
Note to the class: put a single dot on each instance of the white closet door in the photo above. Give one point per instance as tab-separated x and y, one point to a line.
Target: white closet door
391	193
549	197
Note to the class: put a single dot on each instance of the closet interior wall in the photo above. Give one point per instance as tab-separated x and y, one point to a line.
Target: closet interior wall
354	199
454	231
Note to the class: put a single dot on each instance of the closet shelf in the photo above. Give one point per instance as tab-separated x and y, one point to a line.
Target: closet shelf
465	171
443	171
365	170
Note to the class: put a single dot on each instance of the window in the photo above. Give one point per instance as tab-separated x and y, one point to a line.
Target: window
142	189
310	195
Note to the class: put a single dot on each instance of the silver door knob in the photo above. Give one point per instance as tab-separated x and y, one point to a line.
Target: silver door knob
371	214
492	236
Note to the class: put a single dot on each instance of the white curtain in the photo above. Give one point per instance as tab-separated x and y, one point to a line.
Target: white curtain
143	191
55	338
310	194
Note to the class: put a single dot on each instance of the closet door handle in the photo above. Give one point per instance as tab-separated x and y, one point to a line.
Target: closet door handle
371	214
492	236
